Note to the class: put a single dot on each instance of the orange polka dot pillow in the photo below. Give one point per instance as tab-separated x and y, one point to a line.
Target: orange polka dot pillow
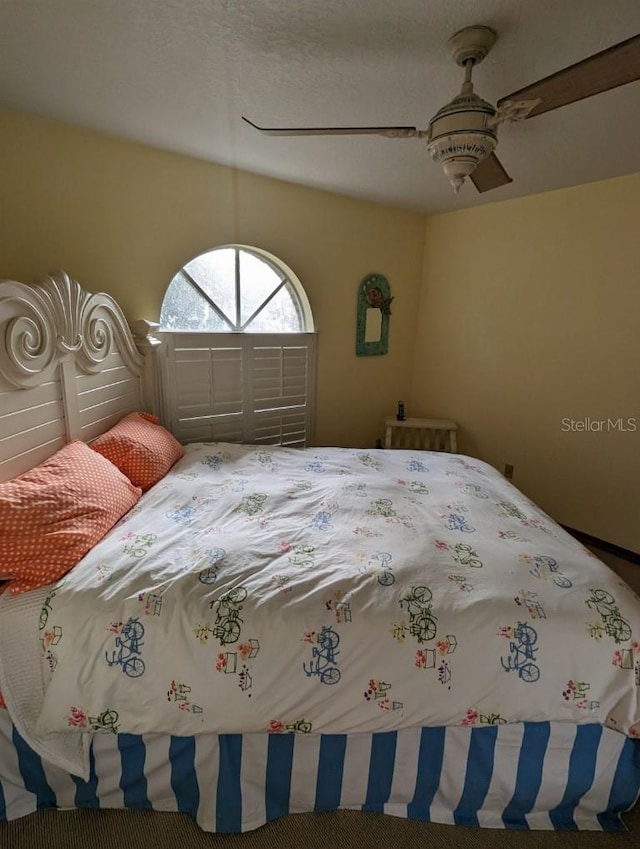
141	448
53	514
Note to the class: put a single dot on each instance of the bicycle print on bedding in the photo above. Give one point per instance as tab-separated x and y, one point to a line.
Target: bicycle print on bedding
233	609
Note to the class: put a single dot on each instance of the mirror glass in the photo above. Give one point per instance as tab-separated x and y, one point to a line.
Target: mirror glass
373	325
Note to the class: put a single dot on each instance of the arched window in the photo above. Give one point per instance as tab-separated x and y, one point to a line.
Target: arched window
236	288
239	352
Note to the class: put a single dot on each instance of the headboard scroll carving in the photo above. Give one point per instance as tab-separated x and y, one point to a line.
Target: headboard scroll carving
55	320
69	369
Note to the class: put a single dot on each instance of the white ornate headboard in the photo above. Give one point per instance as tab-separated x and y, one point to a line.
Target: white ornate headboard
69	369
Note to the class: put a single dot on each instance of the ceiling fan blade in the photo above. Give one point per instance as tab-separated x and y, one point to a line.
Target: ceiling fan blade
390	132
489	174
613	67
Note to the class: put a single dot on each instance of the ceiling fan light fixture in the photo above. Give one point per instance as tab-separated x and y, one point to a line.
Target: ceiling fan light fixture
463	132
460	155
461	135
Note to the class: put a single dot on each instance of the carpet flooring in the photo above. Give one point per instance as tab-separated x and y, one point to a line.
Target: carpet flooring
340	829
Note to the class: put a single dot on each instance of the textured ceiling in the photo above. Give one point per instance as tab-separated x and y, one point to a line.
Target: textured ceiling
179	74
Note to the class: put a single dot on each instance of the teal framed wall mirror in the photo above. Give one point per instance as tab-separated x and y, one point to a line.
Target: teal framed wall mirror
374	309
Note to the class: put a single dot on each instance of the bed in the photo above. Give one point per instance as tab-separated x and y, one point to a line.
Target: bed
268	630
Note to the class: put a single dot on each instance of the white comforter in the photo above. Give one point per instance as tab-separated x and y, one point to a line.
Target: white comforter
329	590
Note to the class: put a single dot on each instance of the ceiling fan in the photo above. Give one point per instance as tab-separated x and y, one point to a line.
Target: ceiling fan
462	135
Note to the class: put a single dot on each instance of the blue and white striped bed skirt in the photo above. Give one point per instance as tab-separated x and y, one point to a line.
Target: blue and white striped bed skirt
521	776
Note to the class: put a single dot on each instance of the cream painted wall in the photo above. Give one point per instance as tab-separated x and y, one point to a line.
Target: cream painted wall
530	316
122	218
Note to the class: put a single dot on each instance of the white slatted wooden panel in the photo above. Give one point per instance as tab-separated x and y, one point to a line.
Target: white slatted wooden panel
104	398
195	367
32	426
288	429
279	377
85	387
227	381
14	401
281	386
211	430
253	388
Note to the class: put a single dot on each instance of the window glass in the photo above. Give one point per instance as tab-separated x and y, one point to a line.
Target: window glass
258	280
280	313
214	272
184	308
234	289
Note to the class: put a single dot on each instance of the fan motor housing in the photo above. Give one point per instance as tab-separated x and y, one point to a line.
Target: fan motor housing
461	134
466	113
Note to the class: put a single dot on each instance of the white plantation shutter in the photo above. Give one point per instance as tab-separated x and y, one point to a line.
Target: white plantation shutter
240	387
279	388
